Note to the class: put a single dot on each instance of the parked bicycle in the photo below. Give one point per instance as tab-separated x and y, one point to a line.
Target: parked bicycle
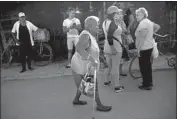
42	51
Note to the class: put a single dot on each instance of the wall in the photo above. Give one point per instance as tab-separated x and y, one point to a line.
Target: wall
48	14
51	15
45	14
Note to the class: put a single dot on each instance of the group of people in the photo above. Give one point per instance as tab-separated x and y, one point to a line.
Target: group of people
87	50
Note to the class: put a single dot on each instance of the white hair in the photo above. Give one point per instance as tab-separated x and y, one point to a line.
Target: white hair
120	10
90	18
142	10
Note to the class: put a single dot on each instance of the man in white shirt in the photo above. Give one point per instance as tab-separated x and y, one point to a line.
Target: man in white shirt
71	26
23	29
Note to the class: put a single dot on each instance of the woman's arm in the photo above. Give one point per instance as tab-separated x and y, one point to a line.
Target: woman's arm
82	44
123	25
156	27
111	30
131	21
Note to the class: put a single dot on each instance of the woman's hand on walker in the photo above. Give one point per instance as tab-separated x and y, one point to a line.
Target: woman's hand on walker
94	63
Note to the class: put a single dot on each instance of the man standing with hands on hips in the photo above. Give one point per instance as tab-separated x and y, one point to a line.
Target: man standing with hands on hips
71	26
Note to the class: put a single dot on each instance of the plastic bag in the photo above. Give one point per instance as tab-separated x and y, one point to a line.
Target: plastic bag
155	52
87	88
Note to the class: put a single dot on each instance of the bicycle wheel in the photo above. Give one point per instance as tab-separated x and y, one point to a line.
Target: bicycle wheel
44	56
134	69
6	58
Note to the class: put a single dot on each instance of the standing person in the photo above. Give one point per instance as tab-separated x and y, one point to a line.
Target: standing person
129	21
23	30
144	45
87	51
112	48
121	23
72	27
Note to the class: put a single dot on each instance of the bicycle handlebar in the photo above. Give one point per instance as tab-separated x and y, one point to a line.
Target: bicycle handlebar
162	36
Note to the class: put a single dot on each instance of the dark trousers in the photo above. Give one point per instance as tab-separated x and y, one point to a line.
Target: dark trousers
146	67
25	55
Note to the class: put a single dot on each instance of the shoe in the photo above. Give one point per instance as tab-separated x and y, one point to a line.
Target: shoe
145	87
107	83
68	66
23	70
79	102
118	89
151	85
123	74
103	108
31	68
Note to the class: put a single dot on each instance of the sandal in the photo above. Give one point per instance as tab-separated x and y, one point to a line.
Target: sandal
79	102
104	108
107	83
123	74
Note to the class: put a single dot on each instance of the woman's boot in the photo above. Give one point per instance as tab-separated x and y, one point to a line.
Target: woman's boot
76	100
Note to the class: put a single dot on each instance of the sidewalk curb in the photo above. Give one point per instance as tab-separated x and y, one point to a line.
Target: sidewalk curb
163	69
61	74
39	77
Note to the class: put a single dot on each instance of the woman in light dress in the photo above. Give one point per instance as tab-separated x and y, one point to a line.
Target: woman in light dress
87	51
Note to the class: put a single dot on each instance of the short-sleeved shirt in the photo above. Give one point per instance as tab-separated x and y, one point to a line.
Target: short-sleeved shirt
31	27
72	32
145	24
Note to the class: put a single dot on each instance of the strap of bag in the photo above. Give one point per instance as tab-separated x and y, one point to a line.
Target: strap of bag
114	37
118	41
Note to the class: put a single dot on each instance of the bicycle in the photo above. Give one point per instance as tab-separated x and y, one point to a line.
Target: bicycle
6	57
134	64
42	53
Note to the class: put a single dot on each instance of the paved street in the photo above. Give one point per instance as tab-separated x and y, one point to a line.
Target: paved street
52	70
51	98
